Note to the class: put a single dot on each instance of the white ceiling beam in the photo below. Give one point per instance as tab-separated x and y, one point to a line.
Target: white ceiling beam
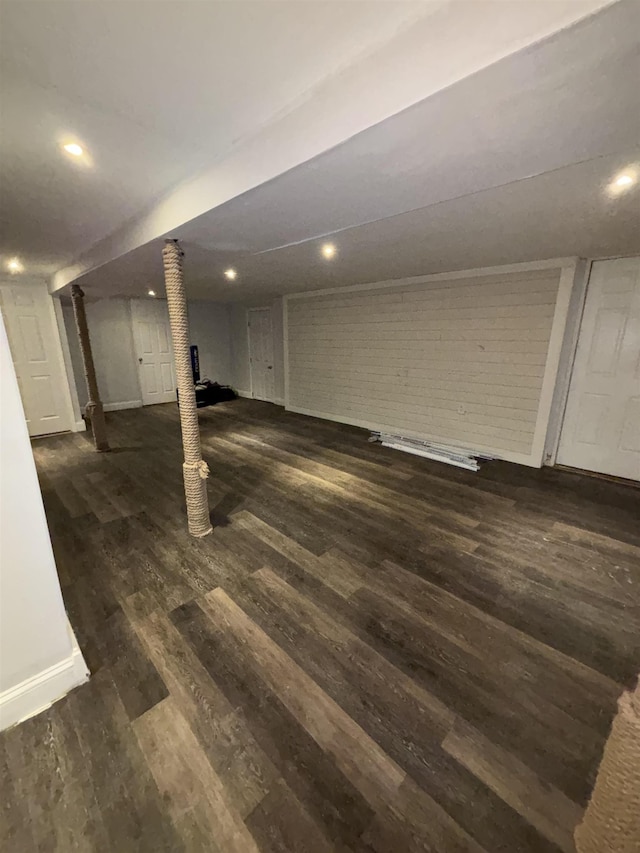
450	42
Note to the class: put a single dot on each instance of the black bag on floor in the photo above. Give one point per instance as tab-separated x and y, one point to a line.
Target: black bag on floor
209	393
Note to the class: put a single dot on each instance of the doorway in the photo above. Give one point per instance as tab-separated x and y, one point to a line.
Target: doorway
37	357
601	428
152	338
261	354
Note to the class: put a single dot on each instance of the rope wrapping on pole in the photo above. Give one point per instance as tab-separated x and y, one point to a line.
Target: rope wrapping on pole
93	411
611	822
195	470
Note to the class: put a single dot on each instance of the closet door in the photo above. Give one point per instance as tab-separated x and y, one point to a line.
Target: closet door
261	354
35	348
152	337
601	429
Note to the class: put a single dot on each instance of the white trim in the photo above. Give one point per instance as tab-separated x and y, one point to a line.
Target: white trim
285	348
570	269
39	692
247	394
79	426
556	339
529	266
76	416
278	401
123	404
248	328
59	356
567	358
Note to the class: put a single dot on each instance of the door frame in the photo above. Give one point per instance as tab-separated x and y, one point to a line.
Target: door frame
568	356
249	310
572	339
567	360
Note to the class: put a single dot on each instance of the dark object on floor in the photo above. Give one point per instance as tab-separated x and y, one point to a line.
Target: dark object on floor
209	393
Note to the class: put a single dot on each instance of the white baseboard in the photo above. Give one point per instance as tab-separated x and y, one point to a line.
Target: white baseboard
244	394
78	426
39	692
124	404
278	401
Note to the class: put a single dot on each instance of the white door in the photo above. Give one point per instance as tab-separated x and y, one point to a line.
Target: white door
37	358
601	429
152	337
261	354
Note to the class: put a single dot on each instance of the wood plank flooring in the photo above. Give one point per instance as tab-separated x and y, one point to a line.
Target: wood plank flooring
373	652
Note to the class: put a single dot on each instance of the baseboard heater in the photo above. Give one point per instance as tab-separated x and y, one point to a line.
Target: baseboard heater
457	456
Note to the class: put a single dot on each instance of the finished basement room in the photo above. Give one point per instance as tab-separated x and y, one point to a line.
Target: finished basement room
320	426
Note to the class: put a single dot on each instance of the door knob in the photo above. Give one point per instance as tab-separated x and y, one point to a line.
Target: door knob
140	360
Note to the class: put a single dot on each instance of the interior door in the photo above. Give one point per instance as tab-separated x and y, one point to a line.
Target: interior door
601	429
35	349
152	336
261	354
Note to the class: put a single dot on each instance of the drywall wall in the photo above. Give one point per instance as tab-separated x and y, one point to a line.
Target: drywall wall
38	657
209	328
114	353
109	323
467	359
239	339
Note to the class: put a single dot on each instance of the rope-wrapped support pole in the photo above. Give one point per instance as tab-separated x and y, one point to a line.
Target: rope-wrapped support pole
611	822
194	468
93	411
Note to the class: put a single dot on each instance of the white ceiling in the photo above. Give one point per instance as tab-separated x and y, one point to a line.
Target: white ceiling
154	90
510	164
233	104
183	105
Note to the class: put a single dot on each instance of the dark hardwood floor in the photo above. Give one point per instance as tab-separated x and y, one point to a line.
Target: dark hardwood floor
373	652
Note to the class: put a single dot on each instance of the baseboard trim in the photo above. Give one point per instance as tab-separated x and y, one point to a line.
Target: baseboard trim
78	426
124	404
244	394
39	692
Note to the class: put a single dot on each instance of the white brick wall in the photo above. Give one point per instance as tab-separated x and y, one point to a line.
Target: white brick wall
459	360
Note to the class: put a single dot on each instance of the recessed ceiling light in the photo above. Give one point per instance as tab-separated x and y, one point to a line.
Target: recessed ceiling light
328	251
231	274
14	265
152	293
74	149
623	181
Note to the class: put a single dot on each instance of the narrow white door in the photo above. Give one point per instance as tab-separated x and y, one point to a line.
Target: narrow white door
152	337
601	429
261	354
37	358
